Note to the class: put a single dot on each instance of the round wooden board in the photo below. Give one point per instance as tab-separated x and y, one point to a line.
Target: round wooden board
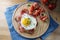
40	30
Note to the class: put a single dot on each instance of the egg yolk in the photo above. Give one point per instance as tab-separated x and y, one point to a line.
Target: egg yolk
26	21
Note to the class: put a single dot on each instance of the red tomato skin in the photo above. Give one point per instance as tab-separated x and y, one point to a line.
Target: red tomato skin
24	11
44	1
31	8
36	5
36	13
42	10
51	6
30	13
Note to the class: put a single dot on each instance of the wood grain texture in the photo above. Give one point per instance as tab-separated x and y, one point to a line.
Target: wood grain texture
4	30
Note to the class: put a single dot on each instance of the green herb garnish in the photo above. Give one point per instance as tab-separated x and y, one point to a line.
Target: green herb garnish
29	5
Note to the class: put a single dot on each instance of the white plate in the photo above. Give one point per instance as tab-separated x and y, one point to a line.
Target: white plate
40	30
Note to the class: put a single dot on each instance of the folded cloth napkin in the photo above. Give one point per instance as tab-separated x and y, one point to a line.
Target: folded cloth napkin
15	36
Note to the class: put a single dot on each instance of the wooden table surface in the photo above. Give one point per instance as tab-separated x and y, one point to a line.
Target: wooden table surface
4	30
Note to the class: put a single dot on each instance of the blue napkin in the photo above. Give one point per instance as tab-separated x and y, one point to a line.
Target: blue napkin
15	36
33	0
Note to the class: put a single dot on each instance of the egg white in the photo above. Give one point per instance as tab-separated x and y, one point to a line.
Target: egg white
32	19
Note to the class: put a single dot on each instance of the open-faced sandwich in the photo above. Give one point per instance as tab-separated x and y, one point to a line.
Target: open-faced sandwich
29	17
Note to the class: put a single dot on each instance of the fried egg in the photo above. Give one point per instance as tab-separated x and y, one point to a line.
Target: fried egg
28	22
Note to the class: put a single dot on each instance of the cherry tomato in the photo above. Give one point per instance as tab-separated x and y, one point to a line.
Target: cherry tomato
36	5
30	12
44	1
24	11
31	8
36	13
39	8
42	10
51	6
